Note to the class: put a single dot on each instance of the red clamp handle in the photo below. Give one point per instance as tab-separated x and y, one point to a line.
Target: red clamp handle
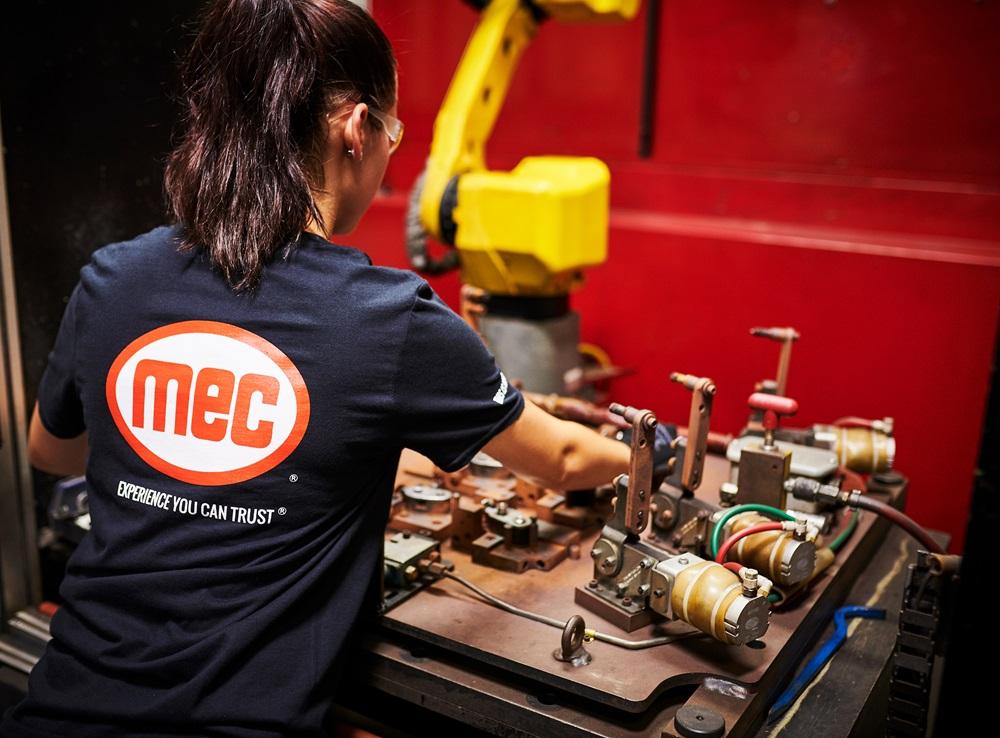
772	406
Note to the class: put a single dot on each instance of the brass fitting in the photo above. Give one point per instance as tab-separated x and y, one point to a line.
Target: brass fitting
782	555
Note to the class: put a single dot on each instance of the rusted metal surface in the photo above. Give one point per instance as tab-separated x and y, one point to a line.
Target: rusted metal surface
448	615
422	678
546	546
628	618
424	510
763	471
786	336
695	451
632	513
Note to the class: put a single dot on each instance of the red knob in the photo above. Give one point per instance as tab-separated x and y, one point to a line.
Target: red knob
774	403
773	406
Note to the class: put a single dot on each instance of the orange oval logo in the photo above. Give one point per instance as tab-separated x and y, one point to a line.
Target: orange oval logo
207	403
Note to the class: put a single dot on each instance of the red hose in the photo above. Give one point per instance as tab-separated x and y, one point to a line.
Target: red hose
731	541
904	522
734	567
852	480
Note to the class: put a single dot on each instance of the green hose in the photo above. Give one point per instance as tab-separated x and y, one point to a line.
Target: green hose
767	509
846	534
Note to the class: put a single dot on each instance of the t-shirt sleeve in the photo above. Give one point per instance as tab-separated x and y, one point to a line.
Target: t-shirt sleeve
59	406
450	397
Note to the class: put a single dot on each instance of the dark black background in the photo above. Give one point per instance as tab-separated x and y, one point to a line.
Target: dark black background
88	103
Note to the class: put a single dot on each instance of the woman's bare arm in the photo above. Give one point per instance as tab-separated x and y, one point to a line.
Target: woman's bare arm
557	453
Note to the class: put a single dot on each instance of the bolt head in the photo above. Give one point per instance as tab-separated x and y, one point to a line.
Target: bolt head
627	601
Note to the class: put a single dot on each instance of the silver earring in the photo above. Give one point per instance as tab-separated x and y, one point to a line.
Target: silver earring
350	153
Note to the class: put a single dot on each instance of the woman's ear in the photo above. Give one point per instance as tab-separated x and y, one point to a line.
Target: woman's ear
354	132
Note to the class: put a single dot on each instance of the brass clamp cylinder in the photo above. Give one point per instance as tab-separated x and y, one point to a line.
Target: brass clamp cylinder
709	597
786	556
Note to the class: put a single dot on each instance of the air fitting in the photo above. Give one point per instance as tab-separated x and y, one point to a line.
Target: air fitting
803	488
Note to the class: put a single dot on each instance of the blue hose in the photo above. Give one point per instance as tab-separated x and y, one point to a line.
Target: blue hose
812	667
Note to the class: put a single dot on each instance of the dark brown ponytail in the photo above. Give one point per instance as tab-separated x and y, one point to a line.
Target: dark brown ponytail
257	81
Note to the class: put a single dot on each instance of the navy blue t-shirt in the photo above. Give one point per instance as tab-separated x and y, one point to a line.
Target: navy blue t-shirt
242	456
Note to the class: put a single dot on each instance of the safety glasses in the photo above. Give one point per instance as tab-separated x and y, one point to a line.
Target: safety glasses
392	126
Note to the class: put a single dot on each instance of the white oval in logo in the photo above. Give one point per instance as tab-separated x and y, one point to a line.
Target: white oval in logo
207	403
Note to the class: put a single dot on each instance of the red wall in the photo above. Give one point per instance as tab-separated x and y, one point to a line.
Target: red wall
832	167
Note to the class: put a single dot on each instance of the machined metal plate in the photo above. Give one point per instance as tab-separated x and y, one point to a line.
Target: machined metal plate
807	461
448	615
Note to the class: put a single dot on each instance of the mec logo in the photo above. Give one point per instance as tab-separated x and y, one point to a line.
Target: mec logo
207	403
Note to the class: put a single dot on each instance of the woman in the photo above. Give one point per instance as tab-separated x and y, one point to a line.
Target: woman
246	387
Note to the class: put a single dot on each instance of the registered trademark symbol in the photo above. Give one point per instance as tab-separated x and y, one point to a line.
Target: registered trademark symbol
281	510
293	478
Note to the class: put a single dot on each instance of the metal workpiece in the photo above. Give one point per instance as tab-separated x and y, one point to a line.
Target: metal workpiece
403	549
608	552
680	522
427	499
515	527
621	598
632	513
406	566
485	481
762	475
780	554
494	488
485	466
703	393
583	510
807	461
423	509
515	540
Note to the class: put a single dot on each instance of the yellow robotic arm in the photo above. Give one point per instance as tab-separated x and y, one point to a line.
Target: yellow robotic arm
529	231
